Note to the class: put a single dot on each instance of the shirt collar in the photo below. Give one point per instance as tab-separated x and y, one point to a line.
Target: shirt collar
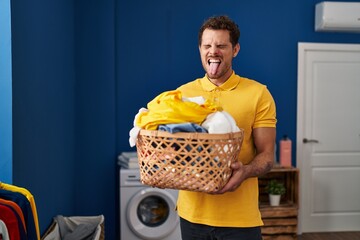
230	84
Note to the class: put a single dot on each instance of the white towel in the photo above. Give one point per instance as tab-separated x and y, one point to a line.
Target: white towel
220	122
199	100
134	132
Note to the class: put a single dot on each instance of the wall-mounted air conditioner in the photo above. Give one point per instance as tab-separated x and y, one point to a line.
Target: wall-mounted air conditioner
337	16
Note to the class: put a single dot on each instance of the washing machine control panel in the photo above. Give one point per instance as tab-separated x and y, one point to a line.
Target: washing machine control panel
130	177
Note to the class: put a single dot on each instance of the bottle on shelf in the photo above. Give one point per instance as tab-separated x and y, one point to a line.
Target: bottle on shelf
285	152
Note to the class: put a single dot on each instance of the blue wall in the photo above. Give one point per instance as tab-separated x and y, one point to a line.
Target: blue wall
95	133
5	93
82	69
64	107
44	104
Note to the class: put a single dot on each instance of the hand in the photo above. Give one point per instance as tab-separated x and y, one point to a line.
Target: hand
237	177
264	139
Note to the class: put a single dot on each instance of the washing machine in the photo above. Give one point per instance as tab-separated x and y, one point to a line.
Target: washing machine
146	213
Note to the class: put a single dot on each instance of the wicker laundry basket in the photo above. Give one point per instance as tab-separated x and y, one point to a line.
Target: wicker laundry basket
187	161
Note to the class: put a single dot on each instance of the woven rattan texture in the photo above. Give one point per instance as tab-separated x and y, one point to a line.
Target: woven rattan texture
187	161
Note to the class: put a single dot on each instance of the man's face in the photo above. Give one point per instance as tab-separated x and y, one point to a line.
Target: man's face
216	53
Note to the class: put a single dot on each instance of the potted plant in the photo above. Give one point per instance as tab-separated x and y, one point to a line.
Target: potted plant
275	189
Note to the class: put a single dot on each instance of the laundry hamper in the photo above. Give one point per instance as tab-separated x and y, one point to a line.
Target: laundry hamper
76	227
187	160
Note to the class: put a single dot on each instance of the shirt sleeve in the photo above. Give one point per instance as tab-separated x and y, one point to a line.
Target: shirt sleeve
266	110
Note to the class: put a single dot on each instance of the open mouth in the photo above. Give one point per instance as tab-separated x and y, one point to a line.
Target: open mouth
214	65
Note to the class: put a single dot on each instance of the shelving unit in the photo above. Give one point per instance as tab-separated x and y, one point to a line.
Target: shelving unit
280	223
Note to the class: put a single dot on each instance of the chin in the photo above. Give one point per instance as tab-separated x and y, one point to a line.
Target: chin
212	76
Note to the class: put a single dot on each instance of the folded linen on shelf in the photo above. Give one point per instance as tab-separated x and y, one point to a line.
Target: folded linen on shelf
128	160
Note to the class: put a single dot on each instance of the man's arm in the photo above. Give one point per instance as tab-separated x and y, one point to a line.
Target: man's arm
264	140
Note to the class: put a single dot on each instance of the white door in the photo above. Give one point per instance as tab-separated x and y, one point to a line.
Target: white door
328	137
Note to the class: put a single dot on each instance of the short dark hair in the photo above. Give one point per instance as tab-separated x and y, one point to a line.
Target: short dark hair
221	23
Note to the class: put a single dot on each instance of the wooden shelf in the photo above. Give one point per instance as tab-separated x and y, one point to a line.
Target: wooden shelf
280	223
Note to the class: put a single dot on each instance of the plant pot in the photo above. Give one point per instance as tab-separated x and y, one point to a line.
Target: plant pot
274	200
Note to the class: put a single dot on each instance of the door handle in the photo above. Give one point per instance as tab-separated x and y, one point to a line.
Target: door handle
305	140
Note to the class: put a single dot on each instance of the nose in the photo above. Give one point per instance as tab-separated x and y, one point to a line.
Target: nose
214	49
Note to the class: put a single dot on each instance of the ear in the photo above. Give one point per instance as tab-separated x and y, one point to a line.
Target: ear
236	49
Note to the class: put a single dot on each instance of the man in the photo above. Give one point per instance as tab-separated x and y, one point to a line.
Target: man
232	213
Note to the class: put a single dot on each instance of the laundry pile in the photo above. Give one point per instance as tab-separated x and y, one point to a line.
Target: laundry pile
185	143
172	112
128	160
18	214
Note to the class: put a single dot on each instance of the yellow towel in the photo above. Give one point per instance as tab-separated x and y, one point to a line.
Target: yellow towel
168	108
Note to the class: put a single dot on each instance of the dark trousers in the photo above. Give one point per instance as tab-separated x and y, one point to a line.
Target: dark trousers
193	231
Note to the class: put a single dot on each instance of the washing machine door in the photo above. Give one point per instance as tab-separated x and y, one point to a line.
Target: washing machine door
151	215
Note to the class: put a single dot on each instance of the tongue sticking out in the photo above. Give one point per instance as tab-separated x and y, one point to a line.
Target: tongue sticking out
213	67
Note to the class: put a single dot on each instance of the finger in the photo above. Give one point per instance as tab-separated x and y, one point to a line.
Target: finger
236	165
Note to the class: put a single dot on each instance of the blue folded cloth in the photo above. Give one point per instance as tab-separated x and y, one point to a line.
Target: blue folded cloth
182	127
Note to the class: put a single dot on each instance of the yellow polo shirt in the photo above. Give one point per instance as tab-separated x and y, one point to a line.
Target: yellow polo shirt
252	106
